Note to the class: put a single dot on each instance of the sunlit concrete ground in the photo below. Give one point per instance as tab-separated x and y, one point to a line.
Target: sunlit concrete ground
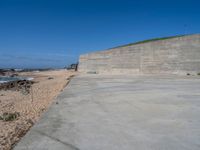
97	112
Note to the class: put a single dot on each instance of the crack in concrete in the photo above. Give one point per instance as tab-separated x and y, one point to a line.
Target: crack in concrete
58	140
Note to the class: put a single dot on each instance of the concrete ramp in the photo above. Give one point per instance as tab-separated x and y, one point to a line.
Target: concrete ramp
97	112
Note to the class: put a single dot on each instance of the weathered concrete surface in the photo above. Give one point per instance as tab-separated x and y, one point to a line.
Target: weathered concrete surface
121	113
180	55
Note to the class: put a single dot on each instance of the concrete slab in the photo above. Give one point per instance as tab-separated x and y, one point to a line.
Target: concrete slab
97	112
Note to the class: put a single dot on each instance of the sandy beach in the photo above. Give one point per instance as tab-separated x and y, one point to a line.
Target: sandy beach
29	107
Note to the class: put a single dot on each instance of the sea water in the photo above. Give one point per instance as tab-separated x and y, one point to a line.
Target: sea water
8	79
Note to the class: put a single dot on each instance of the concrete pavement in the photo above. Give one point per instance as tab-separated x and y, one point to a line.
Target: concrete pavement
96	112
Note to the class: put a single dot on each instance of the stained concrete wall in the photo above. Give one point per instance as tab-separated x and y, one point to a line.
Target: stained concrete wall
178	55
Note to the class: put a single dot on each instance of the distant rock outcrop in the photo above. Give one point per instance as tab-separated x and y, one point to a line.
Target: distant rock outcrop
18	85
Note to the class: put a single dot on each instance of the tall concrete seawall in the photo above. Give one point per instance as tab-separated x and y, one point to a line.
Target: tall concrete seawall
177	55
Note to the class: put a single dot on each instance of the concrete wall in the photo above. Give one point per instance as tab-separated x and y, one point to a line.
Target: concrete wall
178	55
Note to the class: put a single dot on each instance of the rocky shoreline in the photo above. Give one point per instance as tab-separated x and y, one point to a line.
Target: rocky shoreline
23	102
18	85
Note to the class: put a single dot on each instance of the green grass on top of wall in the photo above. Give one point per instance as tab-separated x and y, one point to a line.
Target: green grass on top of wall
149	40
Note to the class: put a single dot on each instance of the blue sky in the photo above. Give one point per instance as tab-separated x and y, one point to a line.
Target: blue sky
46	33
